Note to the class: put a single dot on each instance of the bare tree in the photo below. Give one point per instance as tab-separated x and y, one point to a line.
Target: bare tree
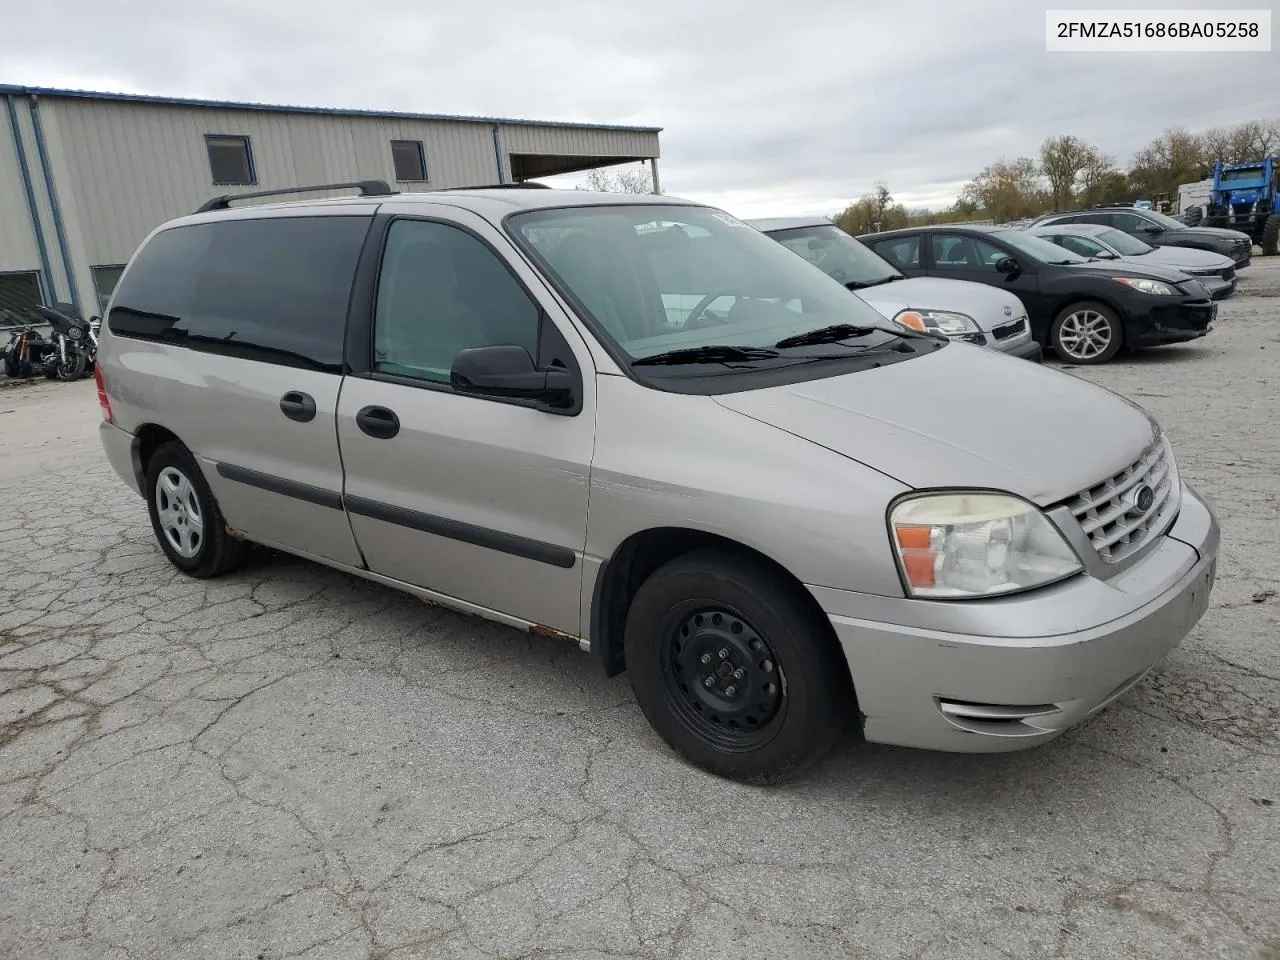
620	181
1066	161
1173	158
1007	190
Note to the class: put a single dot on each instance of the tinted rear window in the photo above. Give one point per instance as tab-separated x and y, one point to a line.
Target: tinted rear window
272	290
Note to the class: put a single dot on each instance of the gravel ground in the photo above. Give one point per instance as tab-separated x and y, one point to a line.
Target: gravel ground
293	763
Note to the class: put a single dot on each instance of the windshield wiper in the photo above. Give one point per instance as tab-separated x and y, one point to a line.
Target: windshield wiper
713	353
863	284
832	334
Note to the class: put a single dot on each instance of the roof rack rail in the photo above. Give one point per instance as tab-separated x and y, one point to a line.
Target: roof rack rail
1110	206
521	185
368	188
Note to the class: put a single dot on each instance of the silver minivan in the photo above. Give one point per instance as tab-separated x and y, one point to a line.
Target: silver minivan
640	425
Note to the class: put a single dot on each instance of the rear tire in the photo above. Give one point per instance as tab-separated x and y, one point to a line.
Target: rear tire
1271	235
1086	333
185	517
1193	216
734	670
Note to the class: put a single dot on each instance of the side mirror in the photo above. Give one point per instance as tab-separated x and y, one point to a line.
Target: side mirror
1008	265
1153	229
508	371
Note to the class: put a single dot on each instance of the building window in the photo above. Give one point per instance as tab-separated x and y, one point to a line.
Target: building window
410	161
19	297
230	160
104	281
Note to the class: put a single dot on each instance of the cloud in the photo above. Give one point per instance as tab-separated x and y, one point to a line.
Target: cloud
767	107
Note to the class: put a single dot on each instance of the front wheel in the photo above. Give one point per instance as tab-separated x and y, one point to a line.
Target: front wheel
72	368
185	516
734	670
1193	216
1271	235
1086	333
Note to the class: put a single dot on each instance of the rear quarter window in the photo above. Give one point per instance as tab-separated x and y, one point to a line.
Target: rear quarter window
270	290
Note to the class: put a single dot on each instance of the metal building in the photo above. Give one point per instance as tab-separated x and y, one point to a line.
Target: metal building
85	176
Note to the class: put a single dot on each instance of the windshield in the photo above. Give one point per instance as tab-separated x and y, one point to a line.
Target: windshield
1038	248
658	277
837	254
1125	244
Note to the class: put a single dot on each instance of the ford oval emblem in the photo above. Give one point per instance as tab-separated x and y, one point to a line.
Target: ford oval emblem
1142	499
1008	310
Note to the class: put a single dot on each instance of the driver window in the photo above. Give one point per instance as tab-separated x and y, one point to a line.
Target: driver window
1129	222
442	291
964	253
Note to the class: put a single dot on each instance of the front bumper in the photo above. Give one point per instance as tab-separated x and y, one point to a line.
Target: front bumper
1172	323
1218	288
1016	672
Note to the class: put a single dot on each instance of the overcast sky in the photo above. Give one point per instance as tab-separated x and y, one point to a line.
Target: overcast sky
768	108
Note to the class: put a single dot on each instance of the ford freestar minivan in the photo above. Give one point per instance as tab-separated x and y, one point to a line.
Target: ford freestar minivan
641	425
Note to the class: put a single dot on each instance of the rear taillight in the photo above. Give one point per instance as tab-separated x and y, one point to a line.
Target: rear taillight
103	400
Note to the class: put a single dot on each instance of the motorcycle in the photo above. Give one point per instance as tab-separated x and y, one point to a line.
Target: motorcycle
74	341
27	349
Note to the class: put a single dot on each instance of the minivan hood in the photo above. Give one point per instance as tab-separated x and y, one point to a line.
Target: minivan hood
989	306
963	416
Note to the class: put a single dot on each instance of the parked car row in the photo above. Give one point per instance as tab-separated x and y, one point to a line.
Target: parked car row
640	425
1085	284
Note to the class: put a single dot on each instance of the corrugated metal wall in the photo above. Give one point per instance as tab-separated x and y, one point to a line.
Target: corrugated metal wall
121	168
17	239
133	166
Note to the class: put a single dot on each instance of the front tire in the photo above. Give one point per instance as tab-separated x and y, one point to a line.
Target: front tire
734	670
1193	216
185	517
1086	334
71	368
1271	235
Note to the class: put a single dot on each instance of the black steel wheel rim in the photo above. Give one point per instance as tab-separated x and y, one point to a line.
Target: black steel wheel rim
722	677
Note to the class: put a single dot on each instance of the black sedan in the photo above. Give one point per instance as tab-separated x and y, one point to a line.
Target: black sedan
1086	310
1159	231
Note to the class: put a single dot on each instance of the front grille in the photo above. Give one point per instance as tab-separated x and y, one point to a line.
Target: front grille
1229	273
1107	512
1007	330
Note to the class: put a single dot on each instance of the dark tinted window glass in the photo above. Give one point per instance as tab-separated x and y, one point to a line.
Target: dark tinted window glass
268	290
903	253
229	160
1130	222
409	161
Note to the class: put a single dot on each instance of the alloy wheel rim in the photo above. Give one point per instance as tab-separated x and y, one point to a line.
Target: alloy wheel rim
723	678
1085	334
178	511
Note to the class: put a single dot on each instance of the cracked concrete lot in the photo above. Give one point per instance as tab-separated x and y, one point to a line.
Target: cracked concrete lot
290	762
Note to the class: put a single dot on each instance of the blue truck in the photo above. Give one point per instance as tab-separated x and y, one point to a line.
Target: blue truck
1246	197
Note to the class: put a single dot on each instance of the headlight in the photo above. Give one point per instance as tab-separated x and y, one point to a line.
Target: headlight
944	322
76	333
1154	287
977	545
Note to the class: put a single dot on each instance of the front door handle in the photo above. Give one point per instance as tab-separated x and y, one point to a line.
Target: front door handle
299	406
378	422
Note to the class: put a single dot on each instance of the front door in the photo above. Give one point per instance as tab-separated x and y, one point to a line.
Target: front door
481	500
958	256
